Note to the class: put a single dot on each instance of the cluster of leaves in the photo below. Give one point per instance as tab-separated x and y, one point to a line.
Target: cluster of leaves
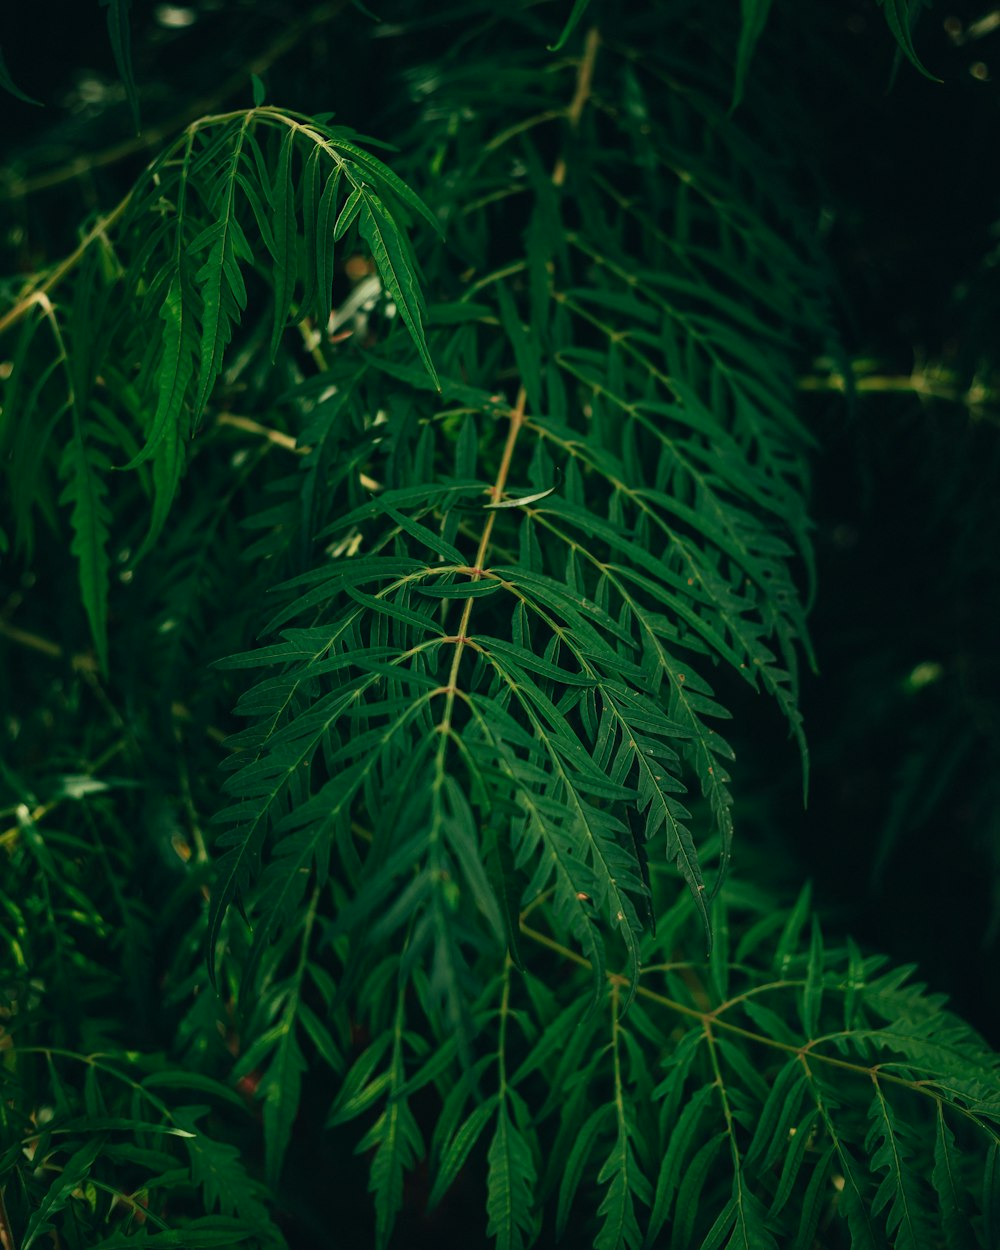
458	884
178	257
794	1085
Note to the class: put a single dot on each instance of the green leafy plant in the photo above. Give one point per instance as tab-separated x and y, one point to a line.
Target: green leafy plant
429	516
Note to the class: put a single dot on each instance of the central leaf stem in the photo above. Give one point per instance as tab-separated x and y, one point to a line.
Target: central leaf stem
584	79
496	493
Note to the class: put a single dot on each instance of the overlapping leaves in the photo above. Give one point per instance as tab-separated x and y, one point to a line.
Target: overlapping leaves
218	209
490	687
760	1099
120	1162
662	511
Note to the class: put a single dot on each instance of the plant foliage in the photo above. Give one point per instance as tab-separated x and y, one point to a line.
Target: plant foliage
467	487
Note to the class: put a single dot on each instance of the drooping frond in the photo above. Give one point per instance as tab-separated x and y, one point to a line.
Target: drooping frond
173	290
604	496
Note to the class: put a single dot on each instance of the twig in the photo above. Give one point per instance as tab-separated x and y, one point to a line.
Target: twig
920	382
81	662
496	493
27	639
710	1019
585	77
311	340
182	713
282	440
39	294
584	81
585	74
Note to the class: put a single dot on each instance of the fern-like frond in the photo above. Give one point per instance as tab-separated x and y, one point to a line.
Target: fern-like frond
603	498
125	1111
765	1127
621	1172
176	291
899	1192
510	1180
83	468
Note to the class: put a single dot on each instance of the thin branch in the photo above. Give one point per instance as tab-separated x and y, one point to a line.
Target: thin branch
81	661
38	294
84	662
496	494
926	383
709	1020
584	82
35	641
285	441
278	437
182	713
585	77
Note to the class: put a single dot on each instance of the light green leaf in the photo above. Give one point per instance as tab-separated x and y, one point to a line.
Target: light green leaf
324	243
900	16
73	1174
389	252
579	8
8	84
281	1089
459	1148
348	214
576	1164
814	1200
510	1185
754	14
380	174
174	372
689	1193
82	468
283	203
626	1183
121	46
900	1191
217	1167
947	1177
397	1143
523	500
